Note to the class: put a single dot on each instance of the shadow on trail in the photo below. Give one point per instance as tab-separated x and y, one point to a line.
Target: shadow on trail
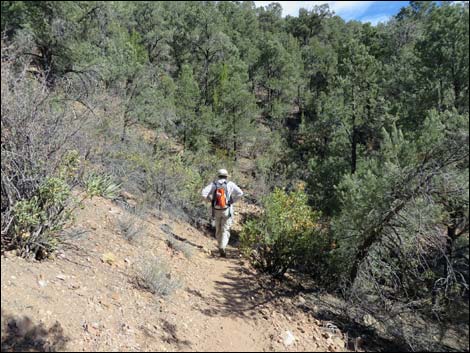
359	336
21	335
171	336
242	291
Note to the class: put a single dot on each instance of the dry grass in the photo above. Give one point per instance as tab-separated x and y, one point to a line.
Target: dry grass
156	277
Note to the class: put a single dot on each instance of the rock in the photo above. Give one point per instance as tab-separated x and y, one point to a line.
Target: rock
332	327
13	277
104	303
369	320
339	342
288	338
61	277
114	210
9	254
301	301
132	203
109	258
166	229
358	342
42	283
127	195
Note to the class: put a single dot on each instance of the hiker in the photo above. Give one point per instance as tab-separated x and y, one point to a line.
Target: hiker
222	194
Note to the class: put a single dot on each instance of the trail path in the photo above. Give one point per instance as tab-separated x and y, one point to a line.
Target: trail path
78	302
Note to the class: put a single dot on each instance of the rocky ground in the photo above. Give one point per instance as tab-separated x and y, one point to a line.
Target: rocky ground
90	298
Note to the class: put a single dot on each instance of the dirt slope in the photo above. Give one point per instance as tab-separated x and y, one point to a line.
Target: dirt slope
78	302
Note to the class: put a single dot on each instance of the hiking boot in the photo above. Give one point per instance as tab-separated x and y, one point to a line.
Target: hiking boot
222	253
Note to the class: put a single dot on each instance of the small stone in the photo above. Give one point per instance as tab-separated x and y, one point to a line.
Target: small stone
301	301
13	277
339	342
109	258
61	277
104	303
369	320
288	338
9	254
358	342
42	283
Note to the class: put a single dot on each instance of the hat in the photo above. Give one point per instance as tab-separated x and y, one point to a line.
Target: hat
222	172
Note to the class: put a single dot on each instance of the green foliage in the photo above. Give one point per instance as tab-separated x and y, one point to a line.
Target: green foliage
287	235
373	119
39	220
102	185
384	205
187	103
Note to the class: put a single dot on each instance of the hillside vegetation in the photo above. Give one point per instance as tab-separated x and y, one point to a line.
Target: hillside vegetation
351	142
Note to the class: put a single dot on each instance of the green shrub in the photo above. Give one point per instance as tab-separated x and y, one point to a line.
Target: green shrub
37	221
102	185
286	235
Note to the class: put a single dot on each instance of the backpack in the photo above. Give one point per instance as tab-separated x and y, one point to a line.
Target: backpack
220	198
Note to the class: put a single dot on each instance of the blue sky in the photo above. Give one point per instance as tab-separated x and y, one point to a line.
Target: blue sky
364	11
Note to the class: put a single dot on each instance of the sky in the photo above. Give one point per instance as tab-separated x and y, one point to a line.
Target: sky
364	11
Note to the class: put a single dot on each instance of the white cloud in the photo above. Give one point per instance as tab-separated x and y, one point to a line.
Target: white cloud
350	9
376	19
346	9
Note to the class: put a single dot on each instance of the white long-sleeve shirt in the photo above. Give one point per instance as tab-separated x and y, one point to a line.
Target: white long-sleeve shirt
233	192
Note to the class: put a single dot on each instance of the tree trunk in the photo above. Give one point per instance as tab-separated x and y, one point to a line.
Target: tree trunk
353	152
451	230
440	98
124	128
354	136
234	136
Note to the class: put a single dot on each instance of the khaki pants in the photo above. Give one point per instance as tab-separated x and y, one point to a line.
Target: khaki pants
223	222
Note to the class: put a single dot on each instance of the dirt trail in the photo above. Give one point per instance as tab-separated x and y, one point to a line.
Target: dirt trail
78	302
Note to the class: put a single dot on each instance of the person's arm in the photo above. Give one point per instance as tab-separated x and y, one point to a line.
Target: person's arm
237	193
207	192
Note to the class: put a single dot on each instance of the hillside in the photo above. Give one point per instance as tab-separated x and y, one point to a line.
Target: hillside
349	139
79	302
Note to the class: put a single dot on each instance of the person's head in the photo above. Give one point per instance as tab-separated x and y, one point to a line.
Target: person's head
222	173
